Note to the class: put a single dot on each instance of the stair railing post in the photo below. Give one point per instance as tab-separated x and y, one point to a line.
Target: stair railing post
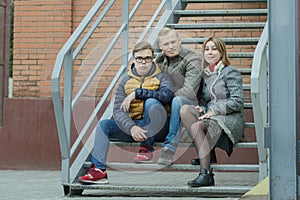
68	77
283	92
125	20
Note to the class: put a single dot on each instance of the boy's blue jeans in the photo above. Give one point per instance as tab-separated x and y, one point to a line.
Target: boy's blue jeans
173	136
108	129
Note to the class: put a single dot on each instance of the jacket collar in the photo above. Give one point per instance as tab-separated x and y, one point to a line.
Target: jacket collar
218	68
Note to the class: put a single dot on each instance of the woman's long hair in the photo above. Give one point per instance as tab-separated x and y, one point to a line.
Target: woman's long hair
221	47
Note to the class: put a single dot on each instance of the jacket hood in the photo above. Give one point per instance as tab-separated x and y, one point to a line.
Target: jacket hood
153	71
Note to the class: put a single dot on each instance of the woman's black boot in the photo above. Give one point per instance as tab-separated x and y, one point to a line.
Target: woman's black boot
205	178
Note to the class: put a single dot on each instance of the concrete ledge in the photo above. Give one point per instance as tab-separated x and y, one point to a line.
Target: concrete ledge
259	192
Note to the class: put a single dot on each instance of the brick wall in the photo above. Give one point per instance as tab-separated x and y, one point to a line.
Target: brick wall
43	26
40	29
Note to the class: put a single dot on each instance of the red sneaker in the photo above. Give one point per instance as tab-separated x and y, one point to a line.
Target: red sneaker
144	156
94	176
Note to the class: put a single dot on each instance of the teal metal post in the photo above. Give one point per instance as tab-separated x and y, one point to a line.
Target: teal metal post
283	93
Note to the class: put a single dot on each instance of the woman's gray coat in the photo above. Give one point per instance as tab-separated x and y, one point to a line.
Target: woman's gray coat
222	92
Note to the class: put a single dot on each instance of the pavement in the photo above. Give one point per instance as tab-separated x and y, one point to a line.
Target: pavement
46	185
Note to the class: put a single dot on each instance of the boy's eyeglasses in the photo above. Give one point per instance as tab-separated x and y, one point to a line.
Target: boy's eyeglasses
146	59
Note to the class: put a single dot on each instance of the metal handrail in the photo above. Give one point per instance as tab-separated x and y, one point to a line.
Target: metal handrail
56	76
108	91
66	57
259	98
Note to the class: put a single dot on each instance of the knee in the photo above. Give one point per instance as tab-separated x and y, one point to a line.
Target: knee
199	126
176	100
151	101
185	110
102	125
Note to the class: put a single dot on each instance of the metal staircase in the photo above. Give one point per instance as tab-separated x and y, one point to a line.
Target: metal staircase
195	20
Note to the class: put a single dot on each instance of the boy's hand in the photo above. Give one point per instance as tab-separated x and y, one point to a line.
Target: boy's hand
126	103
138	134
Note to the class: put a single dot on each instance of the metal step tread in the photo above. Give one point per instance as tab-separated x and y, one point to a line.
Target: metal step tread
224	1
250	145
215	191
248	105
244	25
228	41
223	167
240	54
245	70
231	54
246	86
228	12
170	183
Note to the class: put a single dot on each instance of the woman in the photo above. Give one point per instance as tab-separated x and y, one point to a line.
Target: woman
219	119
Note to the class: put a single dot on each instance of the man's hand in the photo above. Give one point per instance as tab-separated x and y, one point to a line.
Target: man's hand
126	103
138	134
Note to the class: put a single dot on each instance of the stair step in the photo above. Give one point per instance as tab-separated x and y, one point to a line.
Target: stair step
251	145
246	86
245	25
224	1
222	167
168	184
245	71
229	54
248	105
153	190
240	54
228	41
229	12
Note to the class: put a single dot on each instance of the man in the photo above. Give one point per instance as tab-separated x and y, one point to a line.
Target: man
139	113
183	66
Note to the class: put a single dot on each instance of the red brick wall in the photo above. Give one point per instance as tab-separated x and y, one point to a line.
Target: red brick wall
42	27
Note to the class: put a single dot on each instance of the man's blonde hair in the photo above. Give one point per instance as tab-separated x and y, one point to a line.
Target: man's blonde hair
166	31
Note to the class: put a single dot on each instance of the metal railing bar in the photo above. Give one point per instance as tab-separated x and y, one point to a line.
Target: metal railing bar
259	98
73	38
92	29
60	126
135	8
96	110
68	77
160	7
105	96
97	22
56	76
163	20
109	89
97	67
257	58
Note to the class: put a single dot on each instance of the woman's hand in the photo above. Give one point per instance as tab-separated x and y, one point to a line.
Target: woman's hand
198	108
207	115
